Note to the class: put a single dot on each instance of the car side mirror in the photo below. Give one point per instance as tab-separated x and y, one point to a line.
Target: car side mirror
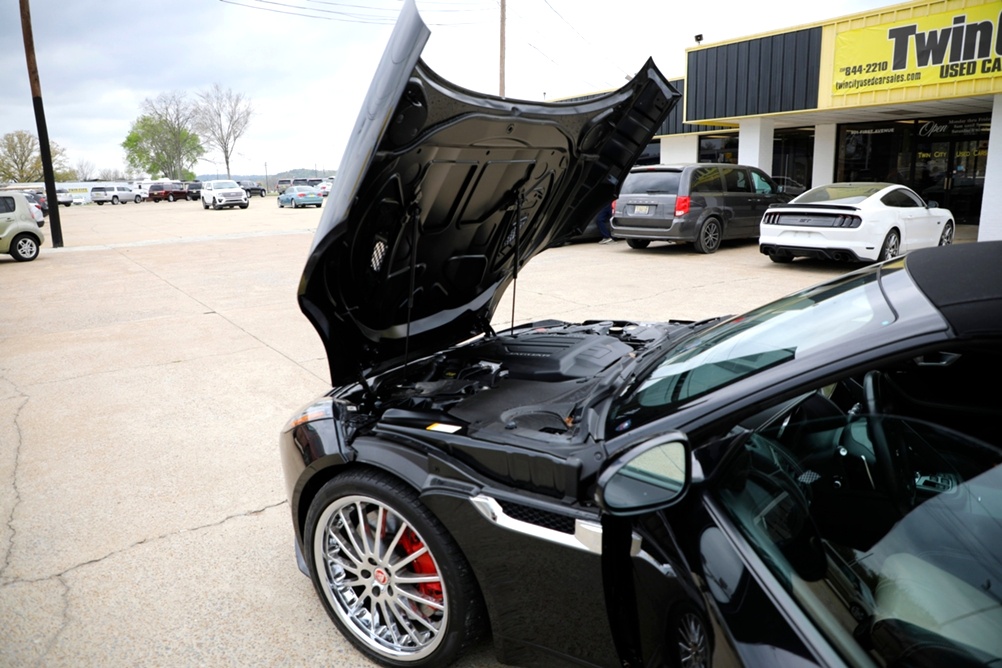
932	204
648	477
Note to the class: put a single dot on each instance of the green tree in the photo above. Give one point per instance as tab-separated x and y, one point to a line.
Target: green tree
221	118
162	141
21	158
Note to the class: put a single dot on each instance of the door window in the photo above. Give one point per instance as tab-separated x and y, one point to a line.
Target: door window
763	184
735	180
902	199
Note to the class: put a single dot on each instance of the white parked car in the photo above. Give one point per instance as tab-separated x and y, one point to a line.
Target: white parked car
223	193
854	222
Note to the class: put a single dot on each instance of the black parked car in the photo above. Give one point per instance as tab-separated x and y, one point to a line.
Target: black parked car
253	188
815	482
193	190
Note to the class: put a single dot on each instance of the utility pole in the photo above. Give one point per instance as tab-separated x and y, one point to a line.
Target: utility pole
501	87
43	132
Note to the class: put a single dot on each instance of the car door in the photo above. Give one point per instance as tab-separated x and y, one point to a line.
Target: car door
694	593
741	201
918	226
8	209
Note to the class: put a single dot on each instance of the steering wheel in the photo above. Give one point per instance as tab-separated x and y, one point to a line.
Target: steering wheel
889	448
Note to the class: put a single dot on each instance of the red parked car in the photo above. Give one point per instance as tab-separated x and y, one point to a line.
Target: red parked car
167	190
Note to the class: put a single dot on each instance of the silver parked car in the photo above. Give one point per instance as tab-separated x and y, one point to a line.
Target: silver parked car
114	194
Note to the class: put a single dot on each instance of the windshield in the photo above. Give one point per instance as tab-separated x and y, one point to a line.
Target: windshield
651	183
225	184
785	330
840	193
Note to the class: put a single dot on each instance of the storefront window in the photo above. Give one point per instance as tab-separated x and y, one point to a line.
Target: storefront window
943	159
718	148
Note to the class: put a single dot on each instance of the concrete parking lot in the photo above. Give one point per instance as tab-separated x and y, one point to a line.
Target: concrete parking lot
145	372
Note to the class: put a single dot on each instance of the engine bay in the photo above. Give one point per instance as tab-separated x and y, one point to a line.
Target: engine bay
533	379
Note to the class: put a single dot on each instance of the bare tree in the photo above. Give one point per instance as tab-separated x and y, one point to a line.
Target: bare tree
222	118
111	175
84	170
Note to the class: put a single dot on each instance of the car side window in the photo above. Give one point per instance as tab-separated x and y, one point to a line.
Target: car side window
763	184
735	180
6	204
705	180
901	199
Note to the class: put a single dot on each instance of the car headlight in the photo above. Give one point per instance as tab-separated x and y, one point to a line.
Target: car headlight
321	409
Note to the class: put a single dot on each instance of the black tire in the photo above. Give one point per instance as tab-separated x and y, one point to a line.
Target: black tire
639	244
708	236
279	200
244	206
24	248
205	205
139	199
215	204
294	205
261	193
688	639
170	198
452	617
99	203
68	205
114	200
946	238
891	247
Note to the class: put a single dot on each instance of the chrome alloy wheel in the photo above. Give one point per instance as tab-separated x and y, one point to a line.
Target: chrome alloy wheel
380	578
693	647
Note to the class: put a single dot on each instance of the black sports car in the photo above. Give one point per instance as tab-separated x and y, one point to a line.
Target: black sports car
815	482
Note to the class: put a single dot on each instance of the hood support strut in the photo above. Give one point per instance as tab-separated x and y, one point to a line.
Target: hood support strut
519	199
413	218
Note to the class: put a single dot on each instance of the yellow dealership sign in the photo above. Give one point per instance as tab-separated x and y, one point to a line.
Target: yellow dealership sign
955	46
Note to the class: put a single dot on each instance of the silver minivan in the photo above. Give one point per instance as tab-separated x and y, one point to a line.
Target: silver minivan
701	203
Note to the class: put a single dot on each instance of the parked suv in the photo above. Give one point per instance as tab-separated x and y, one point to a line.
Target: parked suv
223	193
167	190
114	194
282	185
20	229
193	190
701	203
252	188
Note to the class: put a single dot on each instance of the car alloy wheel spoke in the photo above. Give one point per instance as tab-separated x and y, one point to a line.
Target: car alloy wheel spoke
406	620
418	598
409	617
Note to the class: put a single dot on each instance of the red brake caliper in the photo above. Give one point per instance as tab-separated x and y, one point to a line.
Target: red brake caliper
423	565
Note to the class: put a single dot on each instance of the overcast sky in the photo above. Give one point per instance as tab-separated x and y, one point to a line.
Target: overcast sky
306	64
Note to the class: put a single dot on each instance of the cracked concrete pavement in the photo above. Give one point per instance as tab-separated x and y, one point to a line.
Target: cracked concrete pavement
146	370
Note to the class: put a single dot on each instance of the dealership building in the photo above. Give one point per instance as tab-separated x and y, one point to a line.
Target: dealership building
910	93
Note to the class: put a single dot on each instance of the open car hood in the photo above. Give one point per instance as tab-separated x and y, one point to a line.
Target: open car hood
443	195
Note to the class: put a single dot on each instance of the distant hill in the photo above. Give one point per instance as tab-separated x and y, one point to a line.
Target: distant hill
272	178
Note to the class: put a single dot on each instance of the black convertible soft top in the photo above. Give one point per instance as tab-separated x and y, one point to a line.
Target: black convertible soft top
964	282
